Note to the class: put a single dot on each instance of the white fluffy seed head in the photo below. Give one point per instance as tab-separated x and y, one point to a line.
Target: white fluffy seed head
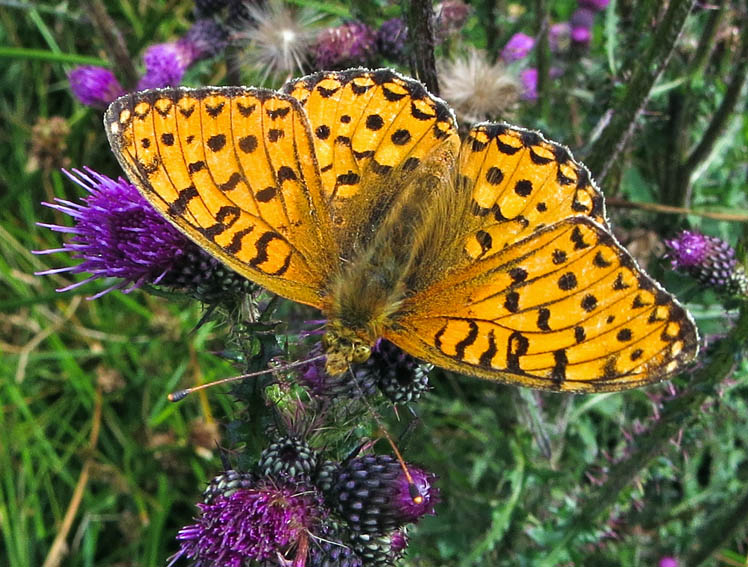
278	39
478	89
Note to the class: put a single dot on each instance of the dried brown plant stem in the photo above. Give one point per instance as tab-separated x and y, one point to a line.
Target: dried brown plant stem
647	70
58	550
422	42
668	209
113	40
677	414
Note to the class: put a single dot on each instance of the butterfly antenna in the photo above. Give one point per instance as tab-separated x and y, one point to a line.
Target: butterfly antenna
415	494
179	395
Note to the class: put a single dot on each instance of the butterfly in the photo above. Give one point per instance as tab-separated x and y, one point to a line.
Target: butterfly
352	192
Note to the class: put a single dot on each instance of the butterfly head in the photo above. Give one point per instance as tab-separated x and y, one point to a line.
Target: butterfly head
343	347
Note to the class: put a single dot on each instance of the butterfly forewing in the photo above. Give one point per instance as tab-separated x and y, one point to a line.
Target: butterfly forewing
234	169
373	132
519	183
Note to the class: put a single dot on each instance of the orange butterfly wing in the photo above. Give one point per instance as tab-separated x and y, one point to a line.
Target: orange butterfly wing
234	169
541	294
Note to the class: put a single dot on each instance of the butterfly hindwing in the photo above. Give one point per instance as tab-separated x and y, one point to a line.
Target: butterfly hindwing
234	169
565	309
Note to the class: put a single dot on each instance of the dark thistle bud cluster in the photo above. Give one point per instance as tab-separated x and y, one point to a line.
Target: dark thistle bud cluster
226	483
289	456
375	496
294	507
708	259
400	376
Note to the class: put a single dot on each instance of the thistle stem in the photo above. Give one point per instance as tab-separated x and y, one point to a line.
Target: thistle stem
421	26
616	134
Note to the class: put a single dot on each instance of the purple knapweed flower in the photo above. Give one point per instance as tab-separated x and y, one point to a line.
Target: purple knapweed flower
117	234
529	79
94	86
595	5
265	522
668	562
708	259
374	495
518	47
353	43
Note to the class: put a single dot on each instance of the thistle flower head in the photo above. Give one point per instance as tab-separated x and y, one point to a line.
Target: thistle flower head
374	495
117	233
477	88
708	259
668	562
94	86
350	44
206	38
581	23
400	376
518	47
391	38
688	249
251	524
558	36
278	38
165	64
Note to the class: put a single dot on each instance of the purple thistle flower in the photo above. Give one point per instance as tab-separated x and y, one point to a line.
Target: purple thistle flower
582	18
353	43
117	233
165	64
688	249
595	5
529	78
94	86
668	562
708	259
374	496
258	523
391	38
518	47
581	36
